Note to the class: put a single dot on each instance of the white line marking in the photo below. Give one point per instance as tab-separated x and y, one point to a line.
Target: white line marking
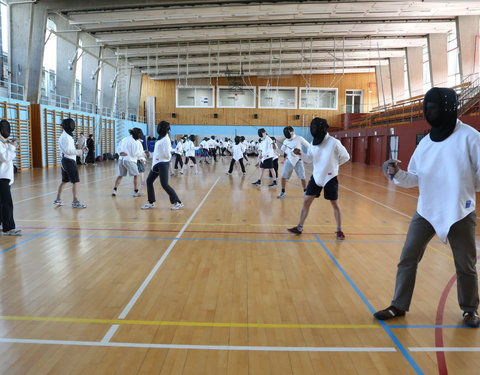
447	349
150	276
382	186
377	202
200	347
55	192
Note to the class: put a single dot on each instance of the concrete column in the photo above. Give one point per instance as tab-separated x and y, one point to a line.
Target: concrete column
134	92
384	88
89	67
108	75
66	51
415	70
397	78
468	37
28	24
438	59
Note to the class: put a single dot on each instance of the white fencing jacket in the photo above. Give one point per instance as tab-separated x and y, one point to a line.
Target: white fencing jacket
447	174
326	157
7	154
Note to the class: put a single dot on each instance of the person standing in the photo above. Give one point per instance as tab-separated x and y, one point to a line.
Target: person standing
160	166
178	155
189	149
90	150
265	157
130	151
293	162
8	148
82	145
237	155
326	154
69	153
446	168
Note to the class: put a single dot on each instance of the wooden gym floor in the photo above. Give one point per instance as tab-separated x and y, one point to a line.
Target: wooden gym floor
220	287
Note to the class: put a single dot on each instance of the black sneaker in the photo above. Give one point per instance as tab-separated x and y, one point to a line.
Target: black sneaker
471	319
256	183
273	184
389	313
295	230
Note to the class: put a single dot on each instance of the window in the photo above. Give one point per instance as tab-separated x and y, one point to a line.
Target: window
318	98
353	101
453	60
277	97
202	97
236	97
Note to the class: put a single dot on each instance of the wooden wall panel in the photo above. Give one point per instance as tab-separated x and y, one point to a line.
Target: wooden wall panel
165	94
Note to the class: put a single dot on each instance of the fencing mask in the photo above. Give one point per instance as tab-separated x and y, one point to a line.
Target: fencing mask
440	108
288	132
136	133
69	126
5	129
318	129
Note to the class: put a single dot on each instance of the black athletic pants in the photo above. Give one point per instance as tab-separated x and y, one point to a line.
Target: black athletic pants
232	163
178	160
6	206
160	170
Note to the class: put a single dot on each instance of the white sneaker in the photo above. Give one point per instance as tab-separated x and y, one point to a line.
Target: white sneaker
282	195
177	206
114	193
147	206
57	203
137	194
181	172
228	174
77	204
13	232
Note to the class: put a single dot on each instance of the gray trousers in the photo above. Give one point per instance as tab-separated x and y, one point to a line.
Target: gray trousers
462	241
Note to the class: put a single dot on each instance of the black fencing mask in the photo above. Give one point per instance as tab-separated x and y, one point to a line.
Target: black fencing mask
4	129
192	138
440	109
261	132
69	126
242	138
318	129
163	128
136	133
288	132
237	140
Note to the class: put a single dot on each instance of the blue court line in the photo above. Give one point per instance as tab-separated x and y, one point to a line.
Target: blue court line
25	241
387	329
427	326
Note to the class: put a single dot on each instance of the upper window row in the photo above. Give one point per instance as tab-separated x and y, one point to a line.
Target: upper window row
268	97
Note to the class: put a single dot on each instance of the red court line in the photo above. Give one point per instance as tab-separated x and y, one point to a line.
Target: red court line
213	231
441	361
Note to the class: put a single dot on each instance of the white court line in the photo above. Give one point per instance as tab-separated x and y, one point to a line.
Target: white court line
200	347
54	192
150	276
43	183
377	202
382	186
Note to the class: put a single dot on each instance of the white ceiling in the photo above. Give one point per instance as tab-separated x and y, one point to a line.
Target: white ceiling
178	39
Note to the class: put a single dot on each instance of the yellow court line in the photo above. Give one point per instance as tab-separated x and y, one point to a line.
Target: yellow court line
182	324
172	223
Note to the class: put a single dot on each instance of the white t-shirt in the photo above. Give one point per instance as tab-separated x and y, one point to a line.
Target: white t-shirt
447	174
266	148
132	148
189	148
292	143
162	151
326	158
66	145
7	154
